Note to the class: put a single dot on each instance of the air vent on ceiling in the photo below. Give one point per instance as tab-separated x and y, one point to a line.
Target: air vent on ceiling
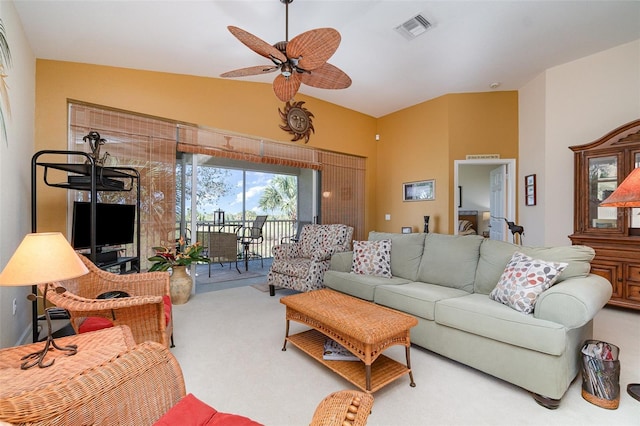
413	27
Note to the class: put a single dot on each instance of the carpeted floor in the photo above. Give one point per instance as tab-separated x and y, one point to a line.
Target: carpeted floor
229	345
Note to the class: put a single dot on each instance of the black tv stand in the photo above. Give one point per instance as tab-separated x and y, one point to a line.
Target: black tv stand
104	257
83	174
122	262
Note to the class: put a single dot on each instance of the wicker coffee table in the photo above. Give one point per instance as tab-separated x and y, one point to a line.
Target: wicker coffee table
364	328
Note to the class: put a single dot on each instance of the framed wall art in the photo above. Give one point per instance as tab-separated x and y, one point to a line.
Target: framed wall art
419	191
530	190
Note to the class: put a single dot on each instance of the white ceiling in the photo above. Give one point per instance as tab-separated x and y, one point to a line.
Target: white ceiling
470	45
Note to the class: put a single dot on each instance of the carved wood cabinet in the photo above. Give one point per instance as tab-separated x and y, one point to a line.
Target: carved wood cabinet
614	233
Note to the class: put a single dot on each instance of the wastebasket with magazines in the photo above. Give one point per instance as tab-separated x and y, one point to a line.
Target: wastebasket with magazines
601	374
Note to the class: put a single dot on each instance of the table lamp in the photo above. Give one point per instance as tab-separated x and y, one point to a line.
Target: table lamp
43	258
627	195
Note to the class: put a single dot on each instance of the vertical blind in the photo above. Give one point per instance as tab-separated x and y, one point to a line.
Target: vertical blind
150	144
145	144
342	176
342	191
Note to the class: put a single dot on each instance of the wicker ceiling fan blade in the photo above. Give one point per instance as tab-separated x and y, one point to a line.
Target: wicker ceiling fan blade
256	44
326	77
244	72
313	48
286	88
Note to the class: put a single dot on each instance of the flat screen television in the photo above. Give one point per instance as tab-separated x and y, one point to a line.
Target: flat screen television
115	224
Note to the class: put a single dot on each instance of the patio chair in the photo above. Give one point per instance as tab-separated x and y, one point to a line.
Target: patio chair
219	246
251	236
301	265
295	238
94	301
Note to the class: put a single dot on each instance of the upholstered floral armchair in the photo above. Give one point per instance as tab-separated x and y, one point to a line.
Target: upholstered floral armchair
301	265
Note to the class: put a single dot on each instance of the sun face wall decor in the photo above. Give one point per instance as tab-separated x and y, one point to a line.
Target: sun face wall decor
297	121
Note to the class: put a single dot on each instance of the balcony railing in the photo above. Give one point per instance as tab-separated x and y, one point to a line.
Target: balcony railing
273	232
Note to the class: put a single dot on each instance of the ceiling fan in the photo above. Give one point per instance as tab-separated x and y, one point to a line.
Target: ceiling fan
301	60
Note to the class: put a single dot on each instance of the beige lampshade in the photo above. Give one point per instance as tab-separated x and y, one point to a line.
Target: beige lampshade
486	216
42	258
627	194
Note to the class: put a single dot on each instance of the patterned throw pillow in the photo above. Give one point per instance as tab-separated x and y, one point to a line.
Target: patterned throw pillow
372	258
523	280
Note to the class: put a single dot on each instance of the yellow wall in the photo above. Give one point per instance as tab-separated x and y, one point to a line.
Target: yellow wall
422	142
416	143
240	107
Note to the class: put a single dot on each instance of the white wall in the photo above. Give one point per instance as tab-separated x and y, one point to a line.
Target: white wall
15	173
571	104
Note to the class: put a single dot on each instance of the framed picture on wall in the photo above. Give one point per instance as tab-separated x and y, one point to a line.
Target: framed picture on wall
419	191
530	190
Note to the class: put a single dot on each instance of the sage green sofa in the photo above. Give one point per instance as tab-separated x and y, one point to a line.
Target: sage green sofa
445	281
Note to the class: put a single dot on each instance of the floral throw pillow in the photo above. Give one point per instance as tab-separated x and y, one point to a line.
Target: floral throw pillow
523	280
372	258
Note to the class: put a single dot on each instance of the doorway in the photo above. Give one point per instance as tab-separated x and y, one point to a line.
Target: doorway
493	194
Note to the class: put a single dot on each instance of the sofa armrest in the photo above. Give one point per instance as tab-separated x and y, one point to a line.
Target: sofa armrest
341	261
573	302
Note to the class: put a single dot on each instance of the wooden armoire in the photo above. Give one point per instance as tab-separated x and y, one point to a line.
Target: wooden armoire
614	233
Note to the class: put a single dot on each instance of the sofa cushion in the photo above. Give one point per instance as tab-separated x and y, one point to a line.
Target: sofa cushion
450	260
478	314
415	298
361	286
523	280
494	256
372	258
406	252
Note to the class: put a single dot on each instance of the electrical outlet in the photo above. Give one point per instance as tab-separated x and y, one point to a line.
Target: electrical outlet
387	216
15	306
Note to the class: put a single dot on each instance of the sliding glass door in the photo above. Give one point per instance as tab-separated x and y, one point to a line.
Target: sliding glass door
228	195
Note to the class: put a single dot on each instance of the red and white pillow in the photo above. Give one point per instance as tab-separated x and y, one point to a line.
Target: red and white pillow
372	258
523	280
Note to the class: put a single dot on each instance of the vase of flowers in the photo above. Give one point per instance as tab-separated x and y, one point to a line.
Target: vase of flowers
178	261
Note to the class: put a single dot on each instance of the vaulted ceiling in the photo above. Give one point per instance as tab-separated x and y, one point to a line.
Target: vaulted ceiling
469	46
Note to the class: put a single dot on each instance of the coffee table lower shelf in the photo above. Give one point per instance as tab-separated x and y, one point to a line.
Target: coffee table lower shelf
384	370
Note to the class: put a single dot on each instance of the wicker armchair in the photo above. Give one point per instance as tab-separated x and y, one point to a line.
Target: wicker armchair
147	312
301	265
108	382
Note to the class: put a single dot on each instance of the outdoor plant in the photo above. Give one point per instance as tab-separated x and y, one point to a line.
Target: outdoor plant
166	257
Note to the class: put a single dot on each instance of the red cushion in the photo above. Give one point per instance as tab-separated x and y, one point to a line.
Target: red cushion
167	307
190	411
227	419
94	323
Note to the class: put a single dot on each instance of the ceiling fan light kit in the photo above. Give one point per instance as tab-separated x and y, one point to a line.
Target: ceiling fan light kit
301	60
